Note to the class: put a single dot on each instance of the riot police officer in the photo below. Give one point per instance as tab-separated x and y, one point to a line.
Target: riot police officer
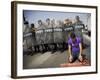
58	35
68	28
34	41
53	24
41	35
49	37
78	31
77	20
78	27
27	40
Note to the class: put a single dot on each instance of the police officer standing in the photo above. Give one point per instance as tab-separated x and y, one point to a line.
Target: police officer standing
68	28
49	37
53	24
27	40
78	31
41	35
59	35
34	41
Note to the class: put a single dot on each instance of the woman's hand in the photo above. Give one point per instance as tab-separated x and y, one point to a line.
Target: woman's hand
70	58
80	58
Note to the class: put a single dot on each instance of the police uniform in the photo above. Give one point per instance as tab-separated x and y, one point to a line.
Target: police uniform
27	39
35	46
78	26
49	36
58	36
40	37
54	45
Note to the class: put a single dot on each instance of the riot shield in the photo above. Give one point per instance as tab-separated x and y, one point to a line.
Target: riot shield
58	37
78	30
67	31
40	38
49	38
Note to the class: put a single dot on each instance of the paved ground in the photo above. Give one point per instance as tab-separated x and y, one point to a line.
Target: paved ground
48	60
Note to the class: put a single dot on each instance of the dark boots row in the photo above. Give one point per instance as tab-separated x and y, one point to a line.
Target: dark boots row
53	47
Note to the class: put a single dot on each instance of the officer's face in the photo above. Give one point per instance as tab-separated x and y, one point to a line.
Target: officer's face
48	21
40	22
